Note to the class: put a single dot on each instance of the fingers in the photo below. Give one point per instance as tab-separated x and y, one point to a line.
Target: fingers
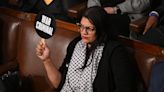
144	32
146	29
39	50
40	47
148	26
151	22
43	41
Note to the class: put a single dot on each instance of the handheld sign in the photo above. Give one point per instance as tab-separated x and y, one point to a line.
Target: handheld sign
45	25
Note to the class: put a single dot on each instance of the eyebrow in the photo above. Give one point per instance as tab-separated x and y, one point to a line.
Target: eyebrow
88	26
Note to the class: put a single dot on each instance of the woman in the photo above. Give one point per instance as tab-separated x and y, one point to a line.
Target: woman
94	61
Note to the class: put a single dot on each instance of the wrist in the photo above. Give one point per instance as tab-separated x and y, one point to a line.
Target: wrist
154	13
46	60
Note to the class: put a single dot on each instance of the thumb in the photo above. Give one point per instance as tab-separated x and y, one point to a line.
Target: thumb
147	27
43	41
145	30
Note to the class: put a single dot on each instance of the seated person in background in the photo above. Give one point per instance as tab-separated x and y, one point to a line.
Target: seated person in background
157	78
55	7
121	10
94	62
154	29
134	8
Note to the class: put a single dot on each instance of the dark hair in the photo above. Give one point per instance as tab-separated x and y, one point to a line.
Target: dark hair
99	18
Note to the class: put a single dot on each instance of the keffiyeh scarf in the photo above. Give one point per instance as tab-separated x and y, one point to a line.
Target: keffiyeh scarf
81	80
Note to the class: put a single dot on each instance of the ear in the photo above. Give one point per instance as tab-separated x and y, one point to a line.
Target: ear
47	2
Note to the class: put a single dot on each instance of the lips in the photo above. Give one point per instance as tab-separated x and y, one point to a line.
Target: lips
83	37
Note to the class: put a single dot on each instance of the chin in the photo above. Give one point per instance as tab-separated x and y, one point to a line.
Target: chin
85	41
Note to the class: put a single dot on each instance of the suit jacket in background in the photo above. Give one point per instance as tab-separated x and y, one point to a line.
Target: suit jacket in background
158	6
134	8
157	78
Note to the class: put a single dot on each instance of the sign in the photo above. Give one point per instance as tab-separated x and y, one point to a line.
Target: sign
45	25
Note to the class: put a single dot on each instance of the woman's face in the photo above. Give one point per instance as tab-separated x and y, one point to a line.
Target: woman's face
87	31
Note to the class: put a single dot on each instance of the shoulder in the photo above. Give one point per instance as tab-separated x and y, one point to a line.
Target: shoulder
113	44
110	47
115	48
74	42
71	46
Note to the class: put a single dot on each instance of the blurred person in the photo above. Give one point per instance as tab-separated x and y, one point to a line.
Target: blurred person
54	7
135	9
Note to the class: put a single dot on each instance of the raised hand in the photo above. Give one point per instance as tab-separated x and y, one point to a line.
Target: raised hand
42	51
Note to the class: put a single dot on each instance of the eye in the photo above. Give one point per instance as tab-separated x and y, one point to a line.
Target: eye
90	28
82	27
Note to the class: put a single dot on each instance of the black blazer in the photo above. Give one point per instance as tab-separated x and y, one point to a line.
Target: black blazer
158	5
115	72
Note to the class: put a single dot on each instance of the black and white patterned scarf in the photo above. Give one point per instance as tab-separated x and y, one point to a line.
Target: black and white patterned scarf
78	79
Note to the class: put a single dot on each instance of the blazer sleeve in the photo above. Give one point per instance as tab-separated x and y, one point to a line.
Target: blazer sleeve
160	9
124	71
91	3
134	6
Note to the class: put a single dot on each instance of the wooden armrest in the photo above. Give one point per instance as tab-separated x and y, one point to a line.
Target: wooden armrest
8	67
31	17
12	12
145	47
145	56
138	25
77	10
